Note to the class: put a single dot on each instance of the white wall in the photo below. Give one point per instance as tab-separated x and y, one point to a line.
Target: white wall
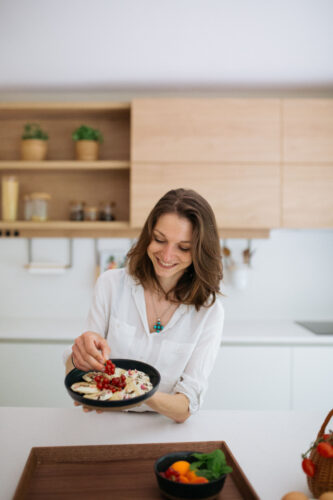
156	43
291	278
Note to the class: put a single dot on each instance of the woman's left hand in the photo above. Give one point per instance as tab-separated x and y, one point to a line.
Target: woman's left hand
86	409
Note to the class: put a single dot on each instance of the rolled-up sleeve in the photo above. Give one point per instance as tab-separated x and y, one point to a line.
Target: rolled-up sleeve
98	316
194	380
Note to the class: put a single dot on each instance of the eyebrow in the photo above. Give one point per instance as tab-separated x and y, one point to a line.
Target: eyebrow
165	236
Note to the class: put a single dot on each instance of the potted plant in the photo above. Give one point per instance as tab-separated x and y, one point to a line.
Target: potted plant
33	143
87	142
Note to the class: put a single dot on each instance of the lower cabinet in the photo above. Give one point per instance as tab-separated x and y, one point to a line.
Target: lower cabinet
34	374
250	378
272	378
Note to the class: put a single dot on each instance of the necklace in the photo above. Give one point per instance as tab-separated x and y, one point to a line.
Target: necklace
158	327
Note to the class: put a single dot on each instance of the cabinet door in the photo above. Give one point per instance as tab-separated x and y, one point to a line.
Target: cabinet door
242	196
250	378
307	130
312	378
307	196
38	375
205	130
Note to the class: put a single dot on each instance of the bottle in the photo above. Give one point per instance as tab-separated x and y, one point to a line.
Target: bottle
27	207
10	191
106	211
90	213
76	210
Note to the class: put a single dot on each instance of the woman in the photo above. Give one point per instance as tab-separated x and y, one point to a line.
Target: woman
165	307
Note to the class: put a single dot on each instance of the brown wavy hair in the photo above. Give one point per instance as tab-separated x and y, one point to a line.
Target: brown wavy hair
201	280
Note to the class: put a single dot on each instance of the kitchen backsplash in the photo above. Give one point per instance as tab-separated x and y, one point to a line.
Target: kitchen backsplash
290	277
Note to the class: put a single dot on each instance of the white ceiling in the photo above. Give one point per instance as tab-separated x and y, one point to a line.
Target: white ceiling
108	44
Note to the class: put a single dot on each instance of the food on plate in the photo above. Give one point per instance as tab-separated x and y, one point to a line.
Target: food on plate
207	467
295	495
114	384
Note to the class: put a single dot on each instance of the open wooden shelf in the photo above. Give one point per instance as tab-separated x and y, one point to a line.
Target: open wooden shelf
65	165
68	229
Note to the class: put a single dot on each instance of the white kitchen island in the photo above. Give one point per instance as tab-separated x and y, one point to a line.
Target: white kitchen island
267	445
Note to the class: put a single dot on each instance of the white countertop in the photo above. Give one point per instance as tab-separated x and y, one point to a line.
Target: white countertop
267	445
251	332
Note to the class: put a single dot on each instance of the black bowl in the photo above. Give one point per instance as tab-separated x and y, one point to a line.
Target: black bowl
181	491
127	364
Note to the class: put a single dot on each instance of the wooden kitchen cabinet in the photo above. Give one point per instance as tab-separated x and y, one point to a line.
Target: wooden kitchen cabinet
307	200
63	177
206	130
307	168
242	196
307	126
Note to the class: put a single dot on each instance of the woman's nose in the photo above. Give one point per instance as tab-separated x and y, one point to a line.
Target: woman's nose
167	253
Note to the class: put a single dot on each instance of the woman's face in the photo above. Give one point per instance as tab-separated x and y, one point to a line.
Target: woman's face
170	247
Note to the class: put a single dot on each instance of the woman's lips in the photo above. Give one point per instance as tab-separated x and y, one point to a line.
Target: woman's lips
165	266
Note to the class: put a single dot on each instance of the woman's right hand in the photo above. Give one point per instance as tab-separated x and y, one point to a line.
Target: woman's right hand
90	351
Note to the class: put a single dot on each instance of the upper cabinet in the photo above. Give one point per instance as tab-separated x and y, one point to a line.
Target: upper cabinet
307	163
307	130
206	130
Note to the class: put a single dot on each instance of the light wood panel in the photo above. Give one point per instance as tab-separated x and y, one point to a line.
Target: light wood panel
307	196
242	196
307	130
206	130
65	165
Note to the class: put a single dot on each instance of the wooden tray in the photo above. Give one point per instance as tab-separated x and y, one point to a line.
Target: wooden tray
119	472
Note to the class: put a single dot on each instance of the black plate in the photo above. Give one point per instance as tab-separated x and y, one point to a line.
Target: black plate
127	364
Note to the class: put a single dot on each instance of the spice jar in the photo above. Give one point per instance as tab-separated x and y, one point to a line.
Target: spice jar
39	203
106	211
90	213
76	210
27	207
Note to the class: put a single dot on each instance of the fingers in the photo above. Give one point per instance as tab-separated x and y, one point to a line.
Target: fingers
86	409
90	351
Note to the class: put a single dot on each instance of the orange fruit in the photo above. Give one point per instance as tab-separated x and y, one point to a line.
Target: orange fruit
181	466
200	479
191	475
183	479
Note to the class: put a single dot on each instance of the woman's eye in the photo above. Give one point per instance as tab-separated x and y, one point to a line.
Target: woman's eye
157	240
184	249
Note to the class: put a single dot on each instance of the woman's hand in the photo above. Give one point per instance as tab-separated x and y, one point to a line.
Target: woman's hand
90	351
86	409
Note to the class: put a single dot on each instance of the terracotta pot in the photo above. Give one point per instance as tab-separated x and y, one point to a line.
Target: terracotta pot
33	149
87	150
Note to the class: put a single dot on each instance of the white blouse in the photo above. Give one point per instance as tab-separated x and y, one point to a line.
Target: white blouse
184	352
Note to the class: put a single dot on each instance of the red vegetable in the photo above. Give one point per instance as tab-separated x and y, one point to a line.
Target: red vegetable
325	449
309	467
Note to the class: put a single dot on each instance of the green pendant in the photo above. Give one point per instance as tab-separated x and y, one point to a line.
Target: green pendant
158	327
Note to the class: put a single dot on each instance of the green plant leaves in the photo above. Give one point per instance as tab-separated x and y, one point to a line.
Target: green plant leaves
85	133
210	465
34	131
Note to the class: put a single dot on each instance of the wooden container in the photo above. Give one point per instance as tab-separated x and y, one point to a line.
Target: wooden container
86	150
33	149
322	480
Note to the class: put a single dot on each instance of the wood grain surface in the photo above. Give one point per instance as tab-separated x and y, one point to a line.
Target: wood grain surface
120	472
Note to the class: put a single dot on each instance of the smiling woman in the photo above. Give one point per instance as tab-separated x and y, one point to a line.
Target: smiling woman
165	307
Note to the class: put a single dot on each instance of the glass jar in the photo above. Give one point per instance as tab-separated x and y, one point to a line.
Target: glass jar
39	206
76	210
106	210
90	213
27	207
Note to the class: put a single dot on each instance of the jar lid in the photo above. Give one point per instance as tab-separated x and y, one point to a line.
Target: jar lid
40	196
77	202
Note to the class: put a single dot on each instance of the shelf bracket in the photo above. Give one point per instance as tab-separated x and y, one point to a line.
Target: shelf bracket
49	267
